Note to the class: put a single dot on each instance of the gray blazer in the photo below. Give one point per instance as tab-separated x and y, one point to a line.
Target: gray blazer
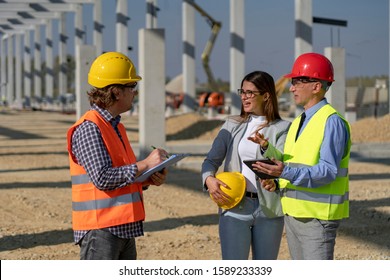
224	151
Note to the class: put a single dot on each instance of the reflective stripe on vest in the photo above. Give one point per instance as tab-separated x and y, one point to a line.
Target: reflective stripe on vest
106	203
314	197
80	179
328	202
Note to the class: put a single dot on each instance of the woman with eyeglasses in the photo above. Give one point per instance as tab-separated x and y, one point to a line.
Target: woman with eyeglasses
256	222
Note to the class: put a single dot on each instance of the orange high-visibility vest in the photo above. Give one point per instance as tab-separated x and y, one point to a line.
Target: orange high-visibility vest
93	208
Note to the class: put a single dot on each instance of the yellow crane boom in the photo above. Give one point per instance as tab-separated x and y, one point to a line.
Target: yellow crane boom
215	27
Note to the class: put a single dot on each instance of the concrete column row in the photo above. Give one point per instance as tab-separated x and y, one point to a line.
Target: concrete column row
303	43
150	43
17	37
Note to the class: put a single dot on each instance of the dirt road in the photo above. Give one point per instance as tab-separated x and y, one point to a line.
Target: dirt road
181	221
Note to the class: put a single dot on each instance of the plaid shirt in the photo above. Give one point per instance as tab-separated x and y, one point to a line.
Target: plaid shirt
91	153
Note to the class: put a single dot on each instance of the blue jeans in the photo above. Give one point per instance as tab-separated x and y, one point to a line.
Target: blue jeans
245	226
100	244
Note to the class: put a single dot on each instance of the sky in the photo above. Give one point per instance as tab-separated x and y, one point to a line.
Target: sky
269	34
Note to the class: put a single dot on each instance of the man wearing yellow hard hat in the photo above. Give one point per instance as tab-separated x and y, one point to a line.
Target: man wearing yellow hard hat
107	203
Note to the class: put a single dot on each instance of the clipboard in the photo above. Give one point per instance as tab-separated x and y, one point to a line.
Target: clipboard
258	173
166	163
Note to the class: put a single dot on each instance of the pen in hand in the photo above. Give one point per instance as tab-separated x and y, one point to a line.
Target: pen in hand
167	155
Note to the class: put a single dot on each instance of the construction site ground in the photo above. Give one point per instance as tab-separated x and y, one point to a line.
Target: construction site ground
181	220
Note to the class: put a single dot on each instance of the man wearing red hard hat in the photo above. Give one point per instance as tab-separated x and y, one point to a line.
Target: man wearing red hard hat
313	176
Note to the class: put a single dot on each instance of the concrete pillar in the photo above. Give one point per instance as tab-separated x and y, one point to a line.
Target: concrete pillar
37	62
98	27
49	73
188	57
3	77
122	41
336	95
78	24
303	27
10	70
63	64
27	71
303	37
151	90
237	52
85	55
18	71
151	14
350	116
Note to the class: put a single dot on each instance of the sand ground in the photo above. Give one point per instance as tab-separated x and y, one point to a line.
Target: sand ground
181	220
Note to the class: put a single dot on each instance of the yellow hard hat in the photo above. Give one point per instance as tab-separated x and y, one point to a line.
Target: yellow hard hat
236	188
112	68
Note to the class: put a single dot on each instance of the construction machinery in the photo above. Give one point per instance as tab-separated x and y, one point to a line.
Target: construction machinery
214	97
280	85
215	28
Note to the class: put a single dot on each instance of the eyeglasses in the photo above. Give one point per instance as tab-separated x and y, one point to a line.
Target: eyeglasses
248	93
299	81
132	86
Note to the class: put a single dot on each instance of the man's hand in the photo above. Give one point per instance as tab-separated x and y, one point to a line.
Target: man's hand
154	158
268	184
158	178
274	170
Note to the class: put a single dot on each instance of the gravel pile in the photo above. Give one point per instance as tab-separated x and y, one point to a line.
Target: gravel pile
371	130
195	126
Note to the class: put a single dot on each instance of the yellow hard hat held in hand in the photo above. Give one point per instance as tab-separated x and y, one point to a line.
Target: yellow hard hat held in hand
235	190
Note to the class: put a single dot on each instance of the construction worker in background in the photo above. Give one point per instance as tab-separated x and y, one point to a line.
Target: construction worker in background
253	219
108	209
314	171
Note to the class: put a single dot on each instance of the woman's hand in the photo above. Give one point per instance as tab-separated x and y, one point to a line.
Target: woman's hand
213	185
259	138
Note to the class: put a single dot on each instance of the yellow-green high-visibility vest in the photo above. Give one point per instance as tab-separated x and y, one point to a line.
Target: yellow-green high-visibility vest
328	202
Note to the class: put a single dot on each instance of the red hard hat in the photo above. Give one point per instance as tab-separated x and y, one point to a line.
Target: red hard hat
312	65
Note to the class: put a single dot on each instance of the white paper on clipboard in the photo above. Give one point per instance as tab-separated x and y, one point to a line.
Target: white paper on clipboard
166	163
